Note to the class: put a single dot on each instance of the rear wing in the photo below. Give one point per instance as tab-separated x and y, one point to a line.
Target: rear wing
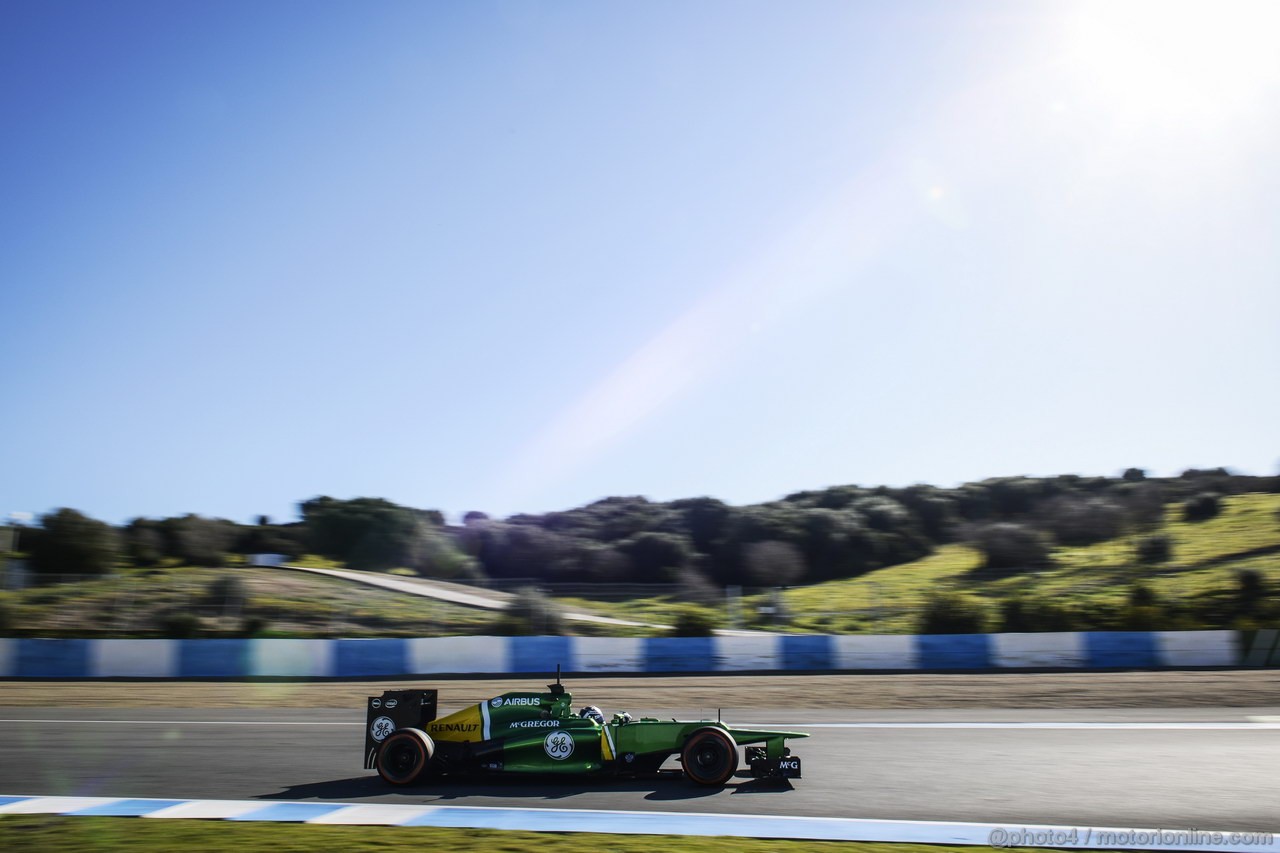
395	709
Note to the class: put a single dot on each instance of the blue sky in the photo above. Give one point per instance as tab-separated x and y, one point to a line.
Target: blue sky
519	256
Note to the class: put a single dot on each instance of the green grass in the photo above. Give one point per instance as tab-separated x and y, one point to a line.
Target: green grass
311	561
135	602
1206	558
52	834
656	610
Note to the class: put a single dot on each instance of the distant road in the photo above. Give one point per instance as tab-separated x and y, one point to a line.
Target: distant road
456	594
471	597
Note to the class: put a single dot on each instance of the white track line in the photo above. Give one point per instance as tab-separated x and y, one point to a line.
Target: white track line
671	823
209	809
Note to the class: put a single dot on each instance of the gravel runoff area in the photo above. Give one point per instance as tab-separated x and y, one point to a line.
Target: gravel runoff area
1162	689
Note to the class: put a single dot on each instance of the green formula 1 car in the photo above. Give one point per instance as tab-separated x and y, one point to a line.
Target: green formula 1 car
539	733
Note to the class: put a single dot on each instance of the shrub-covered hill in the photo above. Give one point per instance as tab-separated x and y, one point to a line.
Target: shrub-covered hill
1217	572
840	532
805	538
1215	568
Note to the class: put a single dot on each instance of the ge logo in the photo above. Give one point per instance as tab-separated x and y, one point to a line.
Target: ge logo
496	702
381	728
559	745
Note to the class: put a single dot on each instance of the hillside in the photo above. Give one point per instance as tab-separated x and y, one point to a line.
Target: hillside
182	601
1197	586
877	561
1092	585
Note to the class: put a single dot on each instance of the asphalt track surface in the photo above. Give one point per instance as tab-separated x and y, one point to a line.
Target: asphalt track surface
1204	768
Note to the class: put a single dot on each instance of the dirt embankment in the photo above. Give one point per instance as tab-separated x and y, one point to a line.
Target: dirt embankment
1169	689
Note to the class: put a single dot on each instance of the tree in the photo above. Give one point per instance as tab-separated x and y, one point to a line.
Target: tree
266	538
591	562
1009	546
656	557
692	620
1157	548
1028	615
707	521
1143	503
436	555
530	612
1083	520
144	541
952	613
835	544
199	541
1202	507
773	563
365	533
883	513
72	543
1252	588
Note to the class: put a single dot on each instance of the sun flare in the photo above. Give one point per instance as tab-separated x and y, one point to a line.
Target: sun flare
1177	59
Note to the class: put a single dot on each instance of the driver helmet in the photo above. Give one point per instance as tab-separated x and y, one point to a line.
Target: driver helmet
591	712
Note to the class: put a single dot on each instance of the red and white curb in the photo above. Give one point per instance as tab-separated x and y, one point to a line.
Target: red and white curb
652	823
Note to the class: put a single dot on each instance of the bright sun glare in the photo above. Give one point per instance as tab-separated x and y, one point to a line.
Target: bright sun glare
1177	59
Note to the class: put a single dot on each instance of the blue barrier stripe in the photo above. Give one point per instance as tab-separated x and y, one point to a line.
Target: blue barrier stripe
292	812
126	808
213	658
52	659
954	651
4	801
541	654
679	654
356	658
808	651
1121	648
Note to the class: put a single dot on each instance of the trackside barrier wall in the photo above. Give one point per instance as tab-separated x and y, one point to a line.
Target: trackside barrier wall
247	658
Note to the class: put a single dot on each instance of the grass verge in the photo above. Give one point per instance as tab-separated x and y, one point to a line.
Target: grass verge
141	603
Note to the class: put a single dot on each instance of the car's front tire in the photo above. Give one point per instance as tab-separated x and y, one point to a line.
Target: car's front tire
404	756
710	757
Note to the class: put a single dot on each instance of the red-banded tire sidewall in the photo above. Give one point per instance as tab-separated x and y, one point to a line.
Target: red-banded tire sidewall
710	757
404	756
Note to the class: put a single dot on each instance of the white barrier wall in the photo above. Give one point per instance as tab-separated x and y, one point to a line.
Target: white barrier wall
366	658
292	658
611	654
883	651
748	653
1065	650
433	655
1198	648
133	659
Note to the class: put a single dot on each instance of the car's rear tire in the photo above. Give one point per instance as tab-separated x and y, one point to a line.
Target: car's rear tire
710	757
404	756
